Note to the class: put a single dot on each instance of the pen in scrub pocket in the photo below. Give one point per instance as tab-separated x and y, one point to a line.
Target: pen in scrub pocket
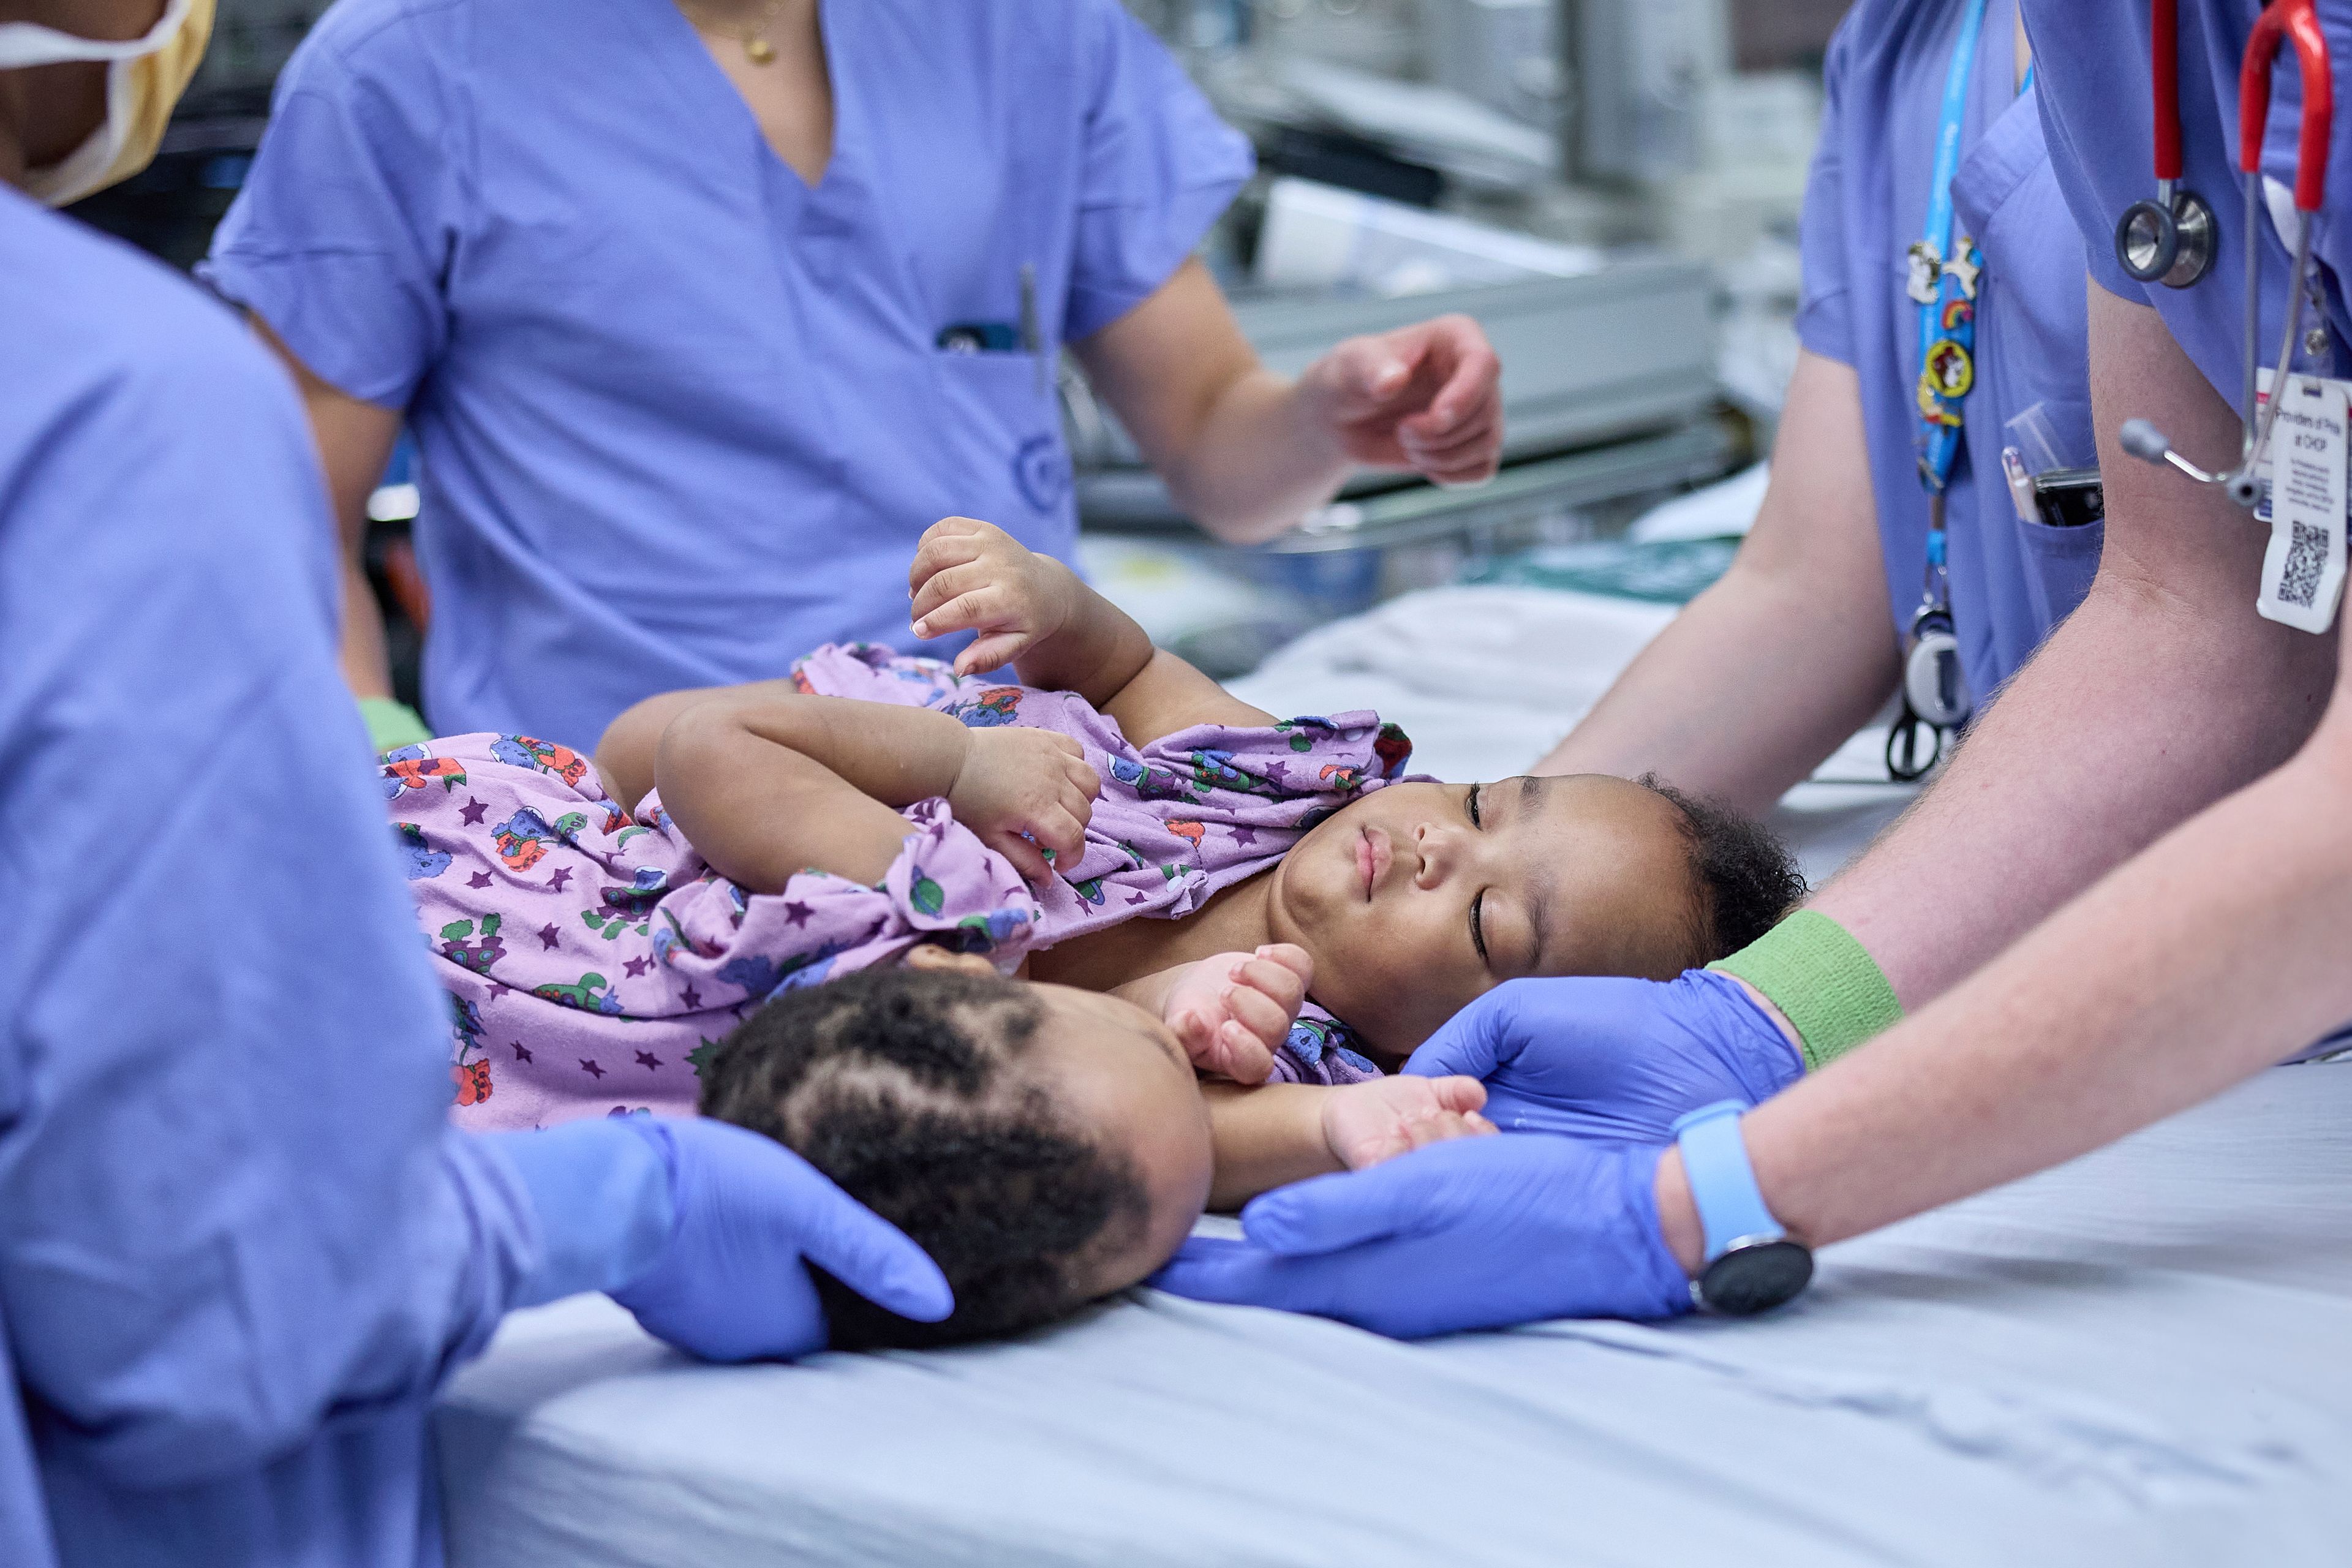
2020	485
1032	340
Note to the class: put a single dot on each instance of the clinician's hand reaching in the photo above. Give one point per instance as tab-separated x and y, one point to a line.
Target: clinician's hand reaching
1427	398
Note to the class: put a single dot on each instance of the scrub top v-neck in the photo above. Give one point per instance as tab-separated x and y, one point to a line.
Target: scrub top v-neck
683	414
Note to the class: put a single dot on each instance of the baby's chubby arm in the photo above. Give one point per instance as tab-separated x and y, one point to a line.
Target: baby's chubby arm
766	782
1283	1132
970	576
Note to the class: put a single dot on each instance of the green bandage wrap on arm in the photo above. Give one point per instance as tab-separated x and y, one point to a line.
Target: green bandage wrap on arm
1825	983
392	725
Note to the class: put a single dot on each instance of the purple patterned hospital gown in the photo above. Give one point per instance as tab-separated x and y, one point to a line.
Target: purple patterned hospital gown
592	958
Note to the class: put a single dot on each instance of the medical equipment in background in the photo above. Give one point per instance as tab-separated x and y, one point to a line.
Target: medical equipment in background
1642	69
2281	22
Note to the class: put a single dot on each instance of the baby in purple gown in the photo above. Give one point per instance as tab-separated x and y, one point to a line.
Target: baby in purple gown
1132	851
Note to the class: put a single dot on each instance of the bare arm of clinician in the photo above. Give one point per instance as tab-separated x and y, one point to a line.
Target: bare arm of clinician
355	439
1245	452
1768	670
2214	954
2161	694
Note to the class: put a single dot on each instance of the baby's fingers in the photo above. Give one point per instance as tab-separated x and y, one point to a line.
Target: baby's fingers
1291	956
1443	1127
951	541
984	607
1026	858
1459	1094
1262	1016
1237	1054
993	651
1062	831
1277	983
1083	778
947	583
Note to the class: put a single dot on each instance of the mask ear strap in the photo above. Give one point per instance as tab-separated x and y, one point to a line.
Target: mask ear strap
31	43
87	163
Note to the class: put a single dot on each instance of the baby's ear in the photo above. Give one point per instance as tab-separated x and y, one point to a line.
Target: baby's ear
931	955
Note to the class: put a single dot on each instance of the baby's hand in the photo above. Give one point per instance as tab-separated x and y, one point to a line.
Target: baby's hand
1017	781
970	576
1366	1123
1231	1011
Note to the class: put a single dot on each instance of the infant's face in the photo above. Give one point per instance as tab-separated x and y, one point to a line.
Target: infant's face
1119	1073
1419	898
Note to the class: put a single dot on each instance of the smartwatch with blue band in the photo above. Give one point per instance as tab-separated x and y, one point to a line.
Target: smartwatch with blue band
1752	1263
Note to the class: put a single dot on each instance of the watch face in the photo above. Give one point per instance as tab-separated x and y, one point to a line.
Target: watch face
1756	1277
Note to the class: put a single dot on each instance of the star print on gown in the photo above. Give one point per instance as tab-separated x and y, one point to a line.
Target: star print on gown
625	895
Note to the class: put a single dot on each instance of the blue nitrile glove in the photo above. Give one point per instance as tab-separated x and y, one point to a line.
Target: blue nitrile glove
700	1228
1606	1057
1475	1233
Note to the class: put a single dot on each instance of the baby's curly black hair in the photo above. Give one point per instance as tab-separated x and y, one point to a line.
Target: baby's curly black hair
896	1082
1746	877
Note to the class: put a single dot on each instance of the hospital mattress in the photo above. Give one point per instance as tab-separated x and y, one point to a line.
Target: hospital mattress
2142	1357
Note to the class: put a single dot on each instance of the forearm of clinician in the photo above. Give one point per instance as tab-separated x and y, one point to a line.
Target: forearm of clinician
2161	695
355	439
1769	670
1242	454
2214	953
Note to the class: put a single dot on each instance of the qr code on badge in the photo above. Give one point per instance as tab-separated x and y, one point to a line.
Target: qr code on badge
2306	559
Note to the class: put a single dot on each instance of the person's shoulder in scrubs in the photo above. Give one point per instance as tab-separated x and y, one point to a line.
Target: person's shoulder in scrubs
225	1208
2099	115
1867	201
682	414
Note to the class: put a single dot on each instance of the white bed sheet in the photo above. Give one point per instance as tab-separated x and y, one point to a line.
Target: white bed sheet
2138	1358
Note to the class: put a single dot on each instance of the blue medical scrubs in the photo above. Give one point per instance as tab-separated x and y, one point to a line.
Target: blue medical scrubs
683	417
238	1245
1867	203
2099	121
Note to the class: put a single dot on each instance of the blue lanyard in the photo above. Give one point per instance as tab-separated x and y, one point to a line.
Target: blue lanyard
1944	281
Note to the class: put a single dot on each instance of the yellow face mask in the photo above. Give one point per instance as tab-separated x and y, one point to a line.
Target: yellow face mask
144	79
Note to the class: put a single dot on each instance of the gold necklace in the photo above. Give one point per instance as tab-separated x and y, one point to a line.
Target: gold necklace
757	48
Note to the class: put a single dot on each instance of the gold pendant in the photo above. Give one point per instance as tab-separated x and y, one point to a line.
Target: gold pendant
760	50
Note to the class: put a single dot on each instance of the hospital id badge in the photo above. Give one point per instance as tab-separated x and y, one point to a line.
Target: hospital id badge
2303	500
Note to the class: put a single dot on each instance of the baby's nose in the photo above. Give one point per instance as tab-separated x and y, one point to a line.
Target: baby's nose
1435	846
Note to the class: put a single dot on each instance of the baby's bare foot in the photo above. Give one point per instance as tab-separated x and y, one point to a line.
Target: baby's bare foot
1365	1123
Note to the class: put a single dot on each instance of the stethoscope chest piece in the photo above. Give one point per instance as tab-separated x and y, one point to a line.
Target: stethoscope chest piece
2166	241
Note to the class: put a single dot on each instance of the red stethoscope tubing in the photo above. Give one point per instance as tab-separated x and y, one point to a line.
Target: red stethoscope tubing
2164	57
2293	22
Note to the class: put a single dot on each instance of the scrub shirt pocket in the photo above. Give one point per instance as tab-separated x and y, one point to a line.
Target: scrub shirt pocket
2060	564
1004	423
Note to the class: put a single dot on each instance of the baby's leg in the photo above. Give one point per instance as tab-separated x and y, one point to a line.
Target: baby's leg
1286	1133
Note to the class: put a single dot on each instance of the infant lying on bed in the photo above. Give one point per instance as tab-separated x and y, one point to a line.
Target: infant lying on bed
879	811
